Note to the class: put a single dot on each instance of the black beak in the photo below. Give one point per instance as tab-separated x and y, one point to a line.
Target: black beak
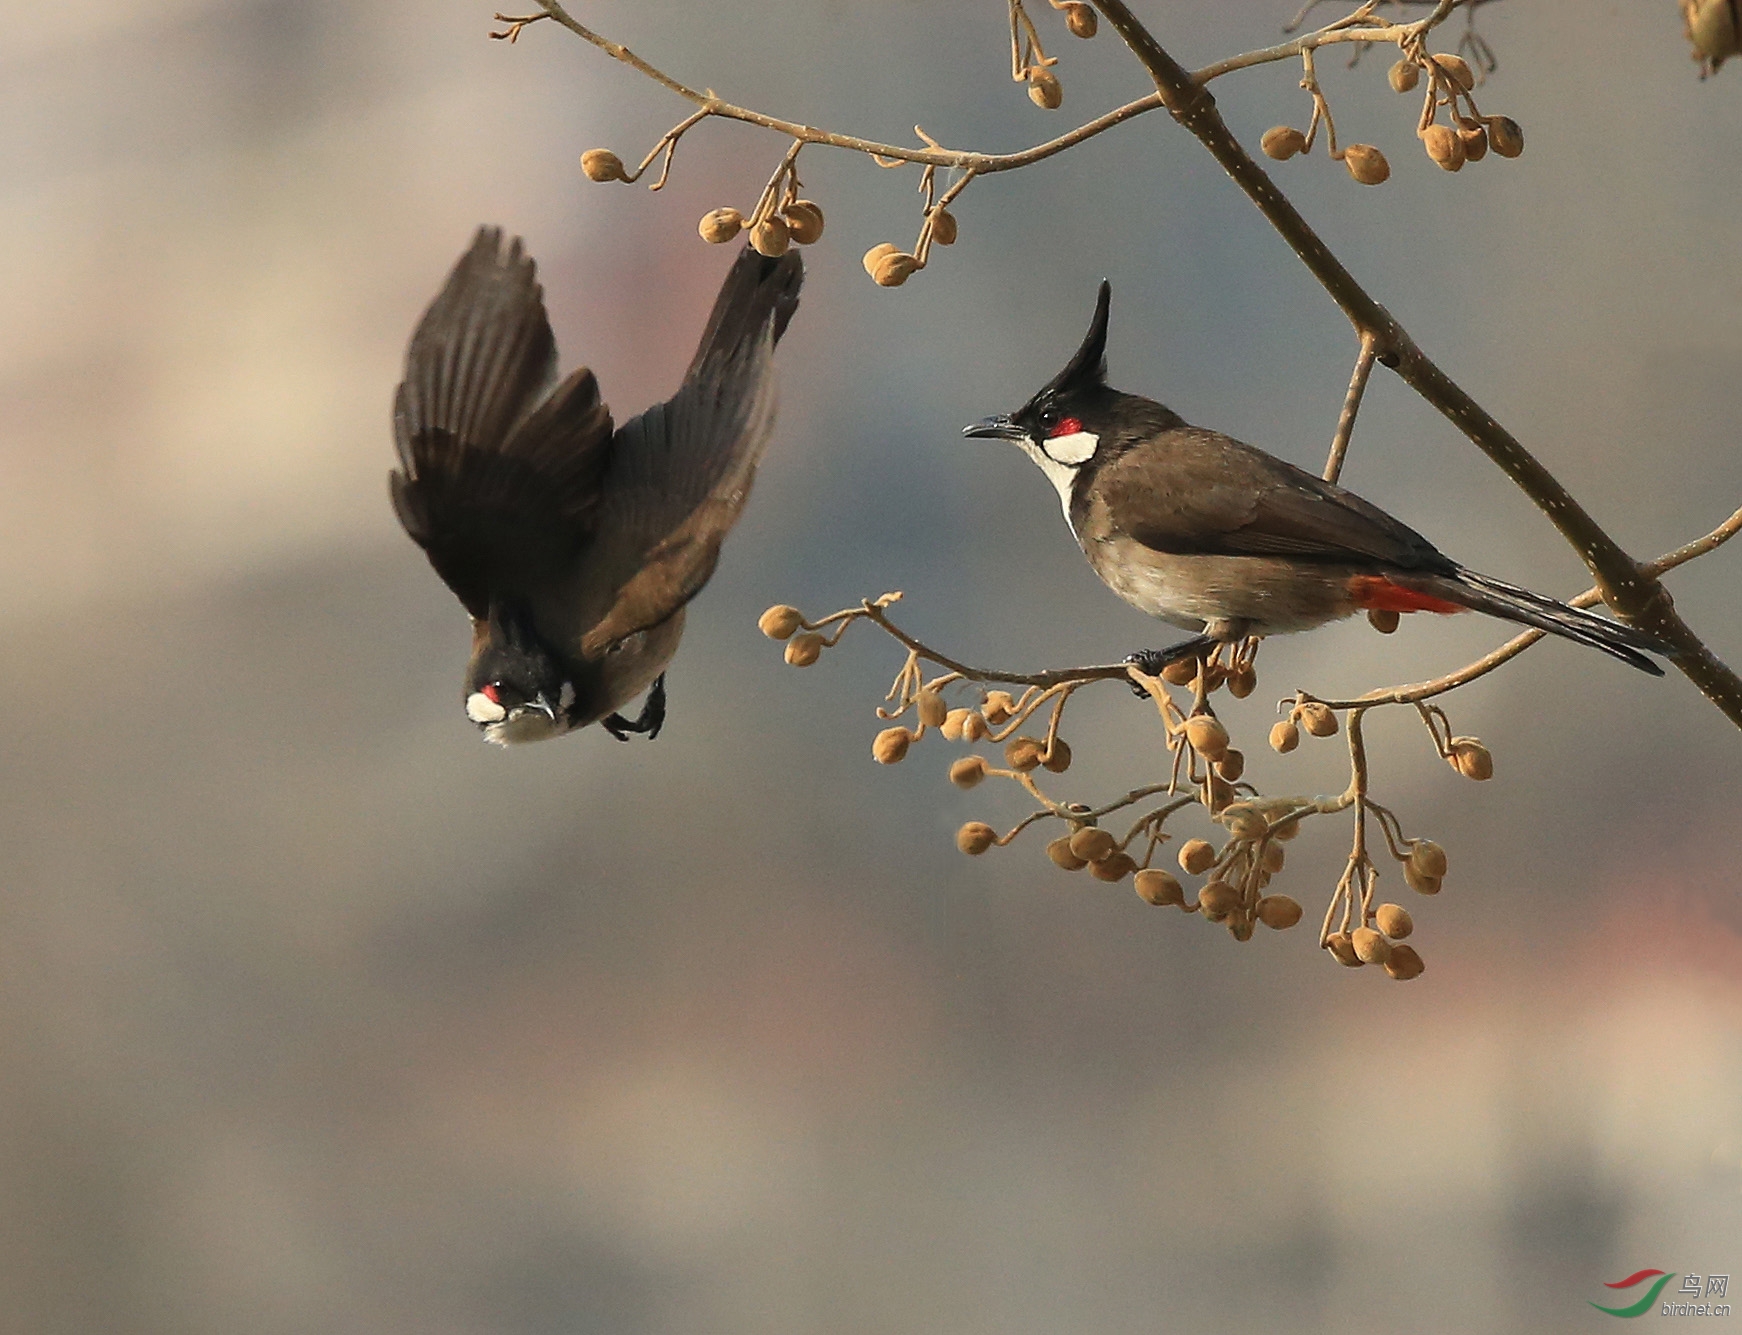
995	428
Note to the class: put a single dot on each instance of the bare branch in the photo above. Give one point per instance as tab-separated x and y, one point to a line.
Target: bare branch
1351	406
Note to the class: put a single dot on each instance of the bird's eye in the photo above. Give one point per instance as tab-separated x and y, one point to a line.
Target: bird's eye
1049	418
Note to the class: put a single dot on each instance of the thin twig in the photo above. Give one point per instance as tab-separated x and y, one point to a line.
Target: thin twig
1351	406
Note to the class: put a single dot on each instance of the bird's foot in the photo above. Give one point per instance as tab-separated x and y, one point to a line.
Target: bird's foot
650	720
1150	662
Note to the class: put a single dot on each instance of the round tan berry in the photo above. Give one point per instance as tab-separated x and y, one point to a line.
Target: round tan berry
1081	20
1394	921
1367	164
1196	856
976	837
1418	882
1383	621
1278	912
601	164
1159	888
780	621
876	255
1428	858
1022	754
1207	735
931	709
721	225
1271	859
1371	946
1059	850
943	227
890	745
1403	76
1244	821
1180	672
974	727
1284	737
1282	142
771	236
953	723
1240	926
1475	142
803	650
1214	675
1286	830
1242	681
1711	25
968	771
1113	867
1505	137
1044	89
1444	147
1092	844
1457	69
1343	947
1232	764
1471	759
1319	719
804	220
894	270
1404	964
999	706
1217	900
1057	760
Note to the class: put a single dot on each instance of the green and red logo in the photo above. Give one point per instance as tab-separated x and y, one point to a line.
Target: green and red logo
1659	1278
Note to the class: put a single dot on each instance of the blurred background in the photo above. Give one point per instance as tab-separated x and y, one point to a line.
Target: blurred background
318	1014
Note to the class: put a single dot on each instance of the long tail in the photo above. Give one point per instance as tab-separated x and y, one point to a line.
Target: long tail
1481	593
758	293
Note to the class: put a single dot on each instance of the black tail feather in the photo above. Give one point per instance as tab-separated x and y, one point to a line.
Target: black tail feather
1482	593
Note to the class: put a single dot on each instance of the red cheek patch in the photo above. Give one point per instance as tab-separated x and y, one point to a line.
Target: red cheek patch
1068	426
1375	593
490	693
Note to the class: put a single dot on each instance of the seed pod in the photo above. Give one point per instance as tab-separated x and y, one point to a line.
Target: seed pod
1240	926
1221	792
894	270
1214	675
1059	850
1092	843
1457	69
1044	89
804	220
890	745
974	727
1403	76
976	837
1217	900
1711	27
1113	867
1159	888
1287	830
1383	621
1366	163
1081	20
876	256
1207	735
1444	147
999	707
1284	737
1404	964
1272	857
1428	858
1394	921
771	236
1371	946
1320	719
1471	759
1058	760
1475	142
720	225
1244	821
780	621
943	227
1341	946
1242	681
968	771
1282	142
1418	882
1022	754
1196	855
1278	912
601	164
1505	137
932	709
1232	764
803	650
953	724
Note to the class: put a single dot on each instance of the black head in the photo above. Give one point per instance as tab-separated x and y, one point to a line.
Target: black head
516	689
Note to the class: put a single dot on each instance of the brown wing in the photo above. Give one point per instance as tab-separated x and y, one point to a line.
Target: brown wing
499	494
1196	492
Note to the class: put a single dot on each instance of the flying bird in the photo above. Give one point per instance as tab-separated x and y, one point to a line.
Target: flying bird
1221	539
573	544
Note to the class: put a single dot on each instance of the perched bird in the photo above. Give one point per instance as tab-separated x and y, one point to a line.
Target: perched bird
1222	539
575	546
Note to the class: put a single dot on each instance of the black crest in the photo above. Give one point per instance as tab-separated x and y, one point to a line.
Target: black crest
1088	369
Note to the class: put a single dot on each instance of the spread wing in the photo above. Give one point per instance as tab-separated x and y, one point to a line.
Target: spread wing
497	492
1196	492
681	472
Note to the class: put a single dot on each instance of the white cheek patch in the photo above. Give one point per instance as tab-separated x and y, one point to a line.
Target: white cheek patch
1074	449
1062	476
480	708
